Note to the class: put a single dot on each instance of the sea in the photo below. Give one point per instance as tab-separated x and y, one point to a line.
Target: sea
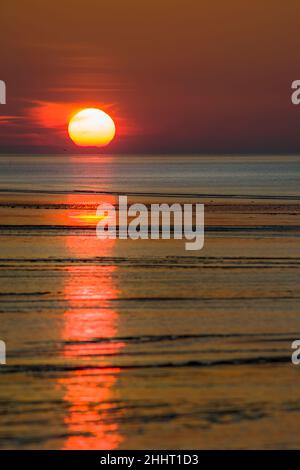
141	344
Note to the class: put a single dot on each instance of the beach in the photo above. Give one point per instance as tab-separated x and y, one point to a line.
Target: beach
123	344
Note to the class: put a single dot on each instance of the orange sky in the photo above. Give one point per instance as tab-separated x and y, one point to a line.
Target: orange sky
183	76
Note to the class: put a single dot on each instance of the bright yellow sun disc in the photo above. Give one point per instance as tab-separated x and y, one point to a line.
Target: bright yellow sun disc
91	127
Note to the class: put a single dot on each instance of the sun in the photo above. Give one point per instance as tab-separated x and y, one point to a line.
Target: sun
91	127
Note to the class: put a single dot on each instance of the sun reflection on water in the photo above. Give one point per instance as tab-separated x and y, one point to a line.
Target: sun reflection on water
90	326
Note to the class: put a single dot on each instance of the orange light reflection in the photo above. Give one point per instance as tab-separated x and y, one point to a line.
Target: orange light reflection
90	326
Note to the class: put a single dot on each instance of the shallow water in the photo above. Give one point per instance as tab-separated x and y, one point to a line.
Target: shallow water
141	344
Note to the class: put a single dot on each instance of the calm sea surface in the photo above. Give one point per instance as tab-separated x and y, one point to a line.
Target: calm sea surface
141	344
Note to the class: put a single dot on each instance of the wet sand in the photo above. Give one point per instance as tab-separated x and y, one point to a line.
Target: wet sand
141	344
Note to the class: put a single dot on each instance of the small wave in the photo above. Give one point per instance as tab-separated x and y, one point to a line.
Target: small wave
284	197
205	336
91	229
41	369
